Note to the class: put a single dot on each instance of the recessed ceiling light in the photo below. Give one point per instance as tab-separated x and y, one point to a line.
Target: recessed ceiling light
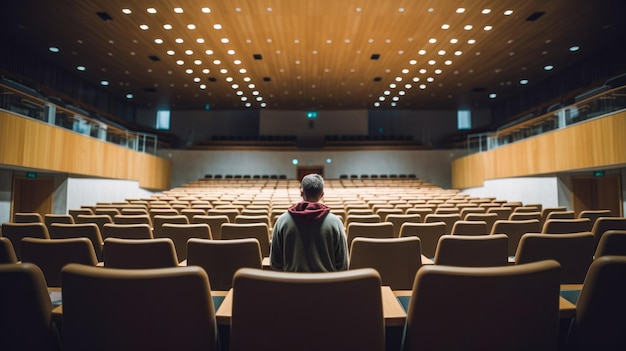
143	27
54	49
189	52
197	62
217	26
486	11
178	10
81	68
180	62
574	48
441	52
548	67
508	12
217	62
127	11
493	95
191	26
488	28
458	53
448	62
130	96
223	71
179	40
246	79
358	9
523	81
445	26
468	27
432	62
471	41
422	86
158	41
392	85
151	10
237	62
197	79
206	10
413	62
170	52
416	79
242	70
423	70
206	71
209	52
405	71
167	26
432	40
422	52
438	71
225	40
202	86
460	10
454	41
189	71
430	79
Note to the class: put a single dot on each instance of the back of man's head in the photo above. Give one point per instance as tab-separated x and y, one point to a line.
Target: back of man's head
312	186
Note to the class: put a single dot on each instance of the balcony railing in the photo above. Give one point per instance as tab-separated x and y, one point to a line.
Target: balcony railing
601	104
26	102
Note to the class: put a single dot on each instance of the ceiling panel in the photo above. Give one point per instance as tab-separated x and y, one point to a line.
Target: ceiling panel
315	54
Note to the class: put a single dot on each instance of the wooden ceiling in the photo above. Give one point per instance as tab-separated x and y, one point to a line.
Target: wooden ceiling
314	54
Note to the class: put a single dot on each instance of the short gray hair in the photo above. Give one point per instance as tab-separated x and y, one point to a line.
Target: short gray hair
312	185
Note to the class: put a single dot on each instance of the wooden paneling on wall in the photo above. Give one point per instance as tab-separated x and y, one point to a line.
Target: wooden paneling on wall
592	144
29	143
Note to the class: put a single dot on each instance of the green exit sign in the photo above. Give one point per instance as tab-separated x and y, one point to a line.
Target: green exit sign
598	173
31	175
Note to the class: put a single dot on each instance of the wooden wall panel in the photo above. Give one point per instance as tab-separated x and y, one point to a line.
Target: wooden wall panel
29	143
592	144
469	171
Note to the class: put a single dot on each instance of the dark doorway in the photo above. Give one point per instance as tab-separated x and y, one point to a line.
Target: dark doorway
32	195
304	170
598	193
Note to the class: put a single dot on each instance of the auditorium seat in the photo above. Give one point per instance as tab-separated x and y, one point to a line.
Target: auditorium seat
428	233
395	259
222	258
472	251
90	231
51	255
16	231
26	310
108	308
139	253
351	298
507	308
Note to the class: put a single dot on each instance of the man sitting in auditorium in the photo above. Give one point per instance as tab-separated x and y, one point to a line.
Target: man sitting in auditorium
308	238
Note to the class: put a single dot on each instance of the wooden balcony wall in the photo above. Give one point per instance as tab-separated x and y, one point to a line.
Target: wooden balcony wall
595	143
29	143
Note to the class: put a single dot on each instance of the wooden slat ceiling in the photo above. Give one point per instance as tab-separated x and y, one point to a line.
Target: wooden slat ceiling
316	54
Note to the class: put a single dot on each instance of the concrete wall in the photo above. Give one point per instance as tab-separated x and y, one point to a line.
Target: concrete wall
432	166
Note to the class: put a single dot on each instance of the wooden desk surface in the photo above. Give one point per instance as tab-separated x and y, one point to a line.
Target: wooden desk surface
392	310
566	308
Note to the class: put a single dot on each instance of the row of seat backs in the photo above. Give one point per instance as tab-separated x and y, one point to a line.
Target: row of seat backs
442	314
396	259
